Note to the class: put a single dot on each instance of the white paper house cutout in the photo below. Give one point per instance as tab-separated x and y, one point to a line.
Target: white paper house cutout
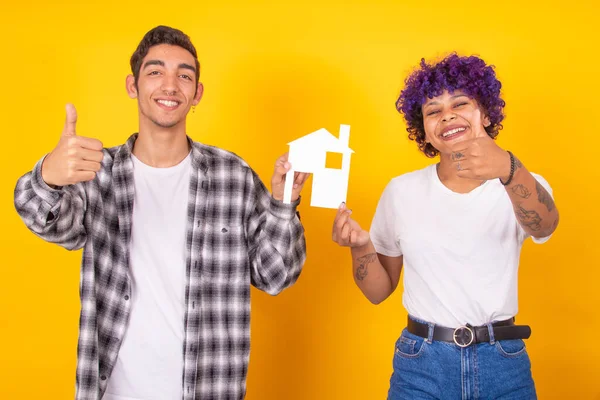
309	154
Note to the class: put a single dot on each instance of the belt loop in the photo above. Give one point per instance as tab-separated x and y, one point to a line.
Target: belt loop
491	332
430	332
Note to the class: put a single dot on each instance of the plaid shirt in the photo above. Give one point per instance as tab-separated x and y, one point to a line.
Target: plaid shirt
237	235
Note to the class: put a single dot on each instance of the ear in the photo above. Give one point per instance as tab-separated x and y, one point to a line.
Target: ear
486	121
130	86
199	93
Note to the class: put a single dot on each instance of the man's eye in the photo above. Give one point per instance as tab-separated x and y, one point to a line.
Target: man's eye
186	77
154	73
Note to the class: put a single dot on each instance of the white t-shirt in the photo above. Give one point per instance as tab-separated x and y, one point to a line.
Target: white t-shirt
461	251
150	361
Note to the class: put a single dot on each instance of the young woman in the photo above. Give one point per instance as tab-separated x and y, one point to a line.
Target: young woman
457	227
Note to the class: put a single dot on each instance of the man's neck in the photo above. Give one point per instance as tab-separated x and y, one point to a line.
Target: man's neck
161	147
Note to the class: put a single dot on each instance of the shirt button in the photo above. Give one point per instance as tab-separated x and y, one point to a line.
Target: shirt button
103	377
126	297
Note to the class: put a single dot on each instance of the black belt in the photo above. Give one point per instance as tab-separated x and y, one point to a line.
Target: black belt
467	335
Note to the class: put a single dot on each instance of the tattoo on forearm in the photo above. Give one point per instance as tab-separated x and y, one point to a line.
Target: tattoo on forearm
363	264
457	156
529	218
521	191
544	197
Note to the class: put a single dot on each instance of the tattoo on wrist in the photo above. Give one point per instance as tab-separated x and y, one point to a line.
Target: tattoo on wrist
521	191
363	265
529	218
544	197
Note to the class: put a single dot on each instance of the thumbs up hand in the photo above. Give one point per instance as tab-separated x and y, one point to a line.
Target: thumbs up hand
75	158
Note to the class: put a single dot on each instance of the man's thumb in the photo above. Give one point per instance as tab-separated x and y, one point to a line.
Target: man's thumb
71	121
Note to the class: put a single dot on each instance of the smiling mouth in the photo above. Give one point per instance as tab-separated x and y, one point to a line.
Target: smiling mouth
168	103
453	132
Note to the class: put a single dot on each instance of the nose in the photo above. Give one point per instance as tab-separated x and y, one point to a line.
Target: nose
169	87
448	116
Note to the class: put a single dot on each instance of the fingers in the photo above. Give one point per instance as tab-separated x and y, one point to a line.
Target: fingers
90	143
91	155
465	170
353	237
462	166
83	163
339	213
86	166
342	226
282	166
71	121
77	149
300	178
345	233
470	168
280	176
458	155
341	219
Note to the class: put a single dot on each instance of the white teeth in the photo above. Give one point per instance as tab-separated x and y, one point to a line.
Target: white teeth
168	103
453	131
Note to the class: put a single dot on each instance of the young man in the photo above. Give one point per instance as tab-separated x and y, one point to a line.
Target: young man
457	227
173	233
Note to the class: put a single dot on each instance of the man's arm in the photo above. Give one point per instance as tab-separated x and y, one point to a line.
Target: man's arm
277	247
55	215
51	198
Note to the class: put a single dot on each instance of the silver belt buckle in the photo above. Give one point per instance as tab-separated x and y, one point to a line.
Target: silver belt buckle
463	336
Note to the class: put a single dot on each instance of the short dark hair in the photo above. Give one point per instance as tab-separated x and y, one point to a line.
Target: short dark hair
162	35
469	74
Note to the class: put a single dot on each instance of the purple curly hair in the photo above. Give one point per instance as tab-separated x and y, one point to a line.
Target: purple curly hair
469	74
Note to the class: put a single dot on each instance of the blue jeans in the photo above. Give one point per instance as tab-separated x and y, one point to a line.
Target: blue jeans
426	369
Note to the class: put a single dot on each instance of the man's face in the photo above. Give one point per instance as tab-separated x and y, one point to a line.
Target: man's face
451	118
166	87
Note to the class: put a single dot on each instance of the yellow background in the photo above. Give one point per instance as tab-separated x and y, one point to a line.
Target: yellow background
274	72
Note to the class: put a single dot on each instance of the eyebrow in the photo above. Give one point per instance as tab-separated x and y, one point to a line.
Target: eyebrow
435	103
162	64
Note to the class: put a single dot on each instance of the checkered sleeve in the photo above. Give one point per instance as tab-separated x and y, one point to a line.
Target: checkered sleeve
277	247
55	215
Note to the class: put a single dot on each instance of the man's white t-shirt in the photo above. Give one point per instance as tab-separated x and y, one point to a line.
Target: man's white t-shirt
461	251
150	361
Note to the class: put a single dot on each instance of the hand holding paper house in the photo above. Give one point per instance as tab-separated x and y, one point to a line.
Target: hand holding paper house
309	154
